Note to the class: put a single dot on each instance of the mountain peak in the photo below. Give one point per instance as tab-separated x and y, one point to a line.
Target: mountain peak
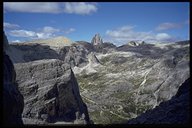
57	42
96	40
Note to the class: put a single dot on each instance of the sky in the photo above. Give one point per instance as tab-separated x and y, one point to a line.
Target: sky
116	22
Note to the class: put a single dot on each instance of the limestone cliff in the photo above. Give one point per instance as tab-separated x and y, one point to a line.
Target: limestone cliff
50	91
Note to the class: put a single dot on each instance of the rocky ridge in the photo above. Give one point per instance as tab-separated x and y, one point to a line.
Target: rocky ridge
54	43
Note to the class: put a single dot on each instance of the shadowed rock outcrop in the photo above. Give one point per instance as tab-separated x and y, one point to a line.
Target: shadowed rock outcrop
75	55
50	91
86	45
32	52
174	111
105	48
12	99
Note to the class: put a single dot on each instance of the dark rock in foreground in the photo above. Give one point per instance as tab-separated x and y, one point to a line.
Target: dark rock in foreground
12	99
13	102
174	111
51	92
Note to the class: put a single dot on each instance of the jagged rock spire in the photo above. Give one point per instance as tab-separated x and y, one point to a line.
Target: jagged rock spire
96	40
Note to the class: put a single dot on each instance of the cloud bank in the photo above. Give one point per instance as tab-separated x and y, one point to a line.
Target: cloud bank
46	32
81	8
10	26
127	33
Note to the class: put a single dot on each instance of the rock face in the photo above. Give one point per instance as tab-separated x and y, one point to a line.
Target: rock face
174	111
93	59
12	99
32	52
86	45
50	92
105	48
96	40
75	55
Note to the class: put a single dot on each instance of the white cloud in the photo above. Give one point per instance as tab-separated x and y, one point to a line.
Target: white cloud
70	30
34	7
10	26
16	41
166	26
48	29
41	35
50	7
22	33
80	8
162	36
46	32
125	34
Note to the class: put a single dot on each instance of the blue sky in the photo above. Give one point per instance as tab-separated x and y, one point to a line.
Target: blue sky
117	22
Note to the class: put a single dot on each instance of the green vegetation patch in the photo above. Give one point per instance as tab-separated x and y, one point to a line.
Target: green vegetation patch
122	95
92	81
